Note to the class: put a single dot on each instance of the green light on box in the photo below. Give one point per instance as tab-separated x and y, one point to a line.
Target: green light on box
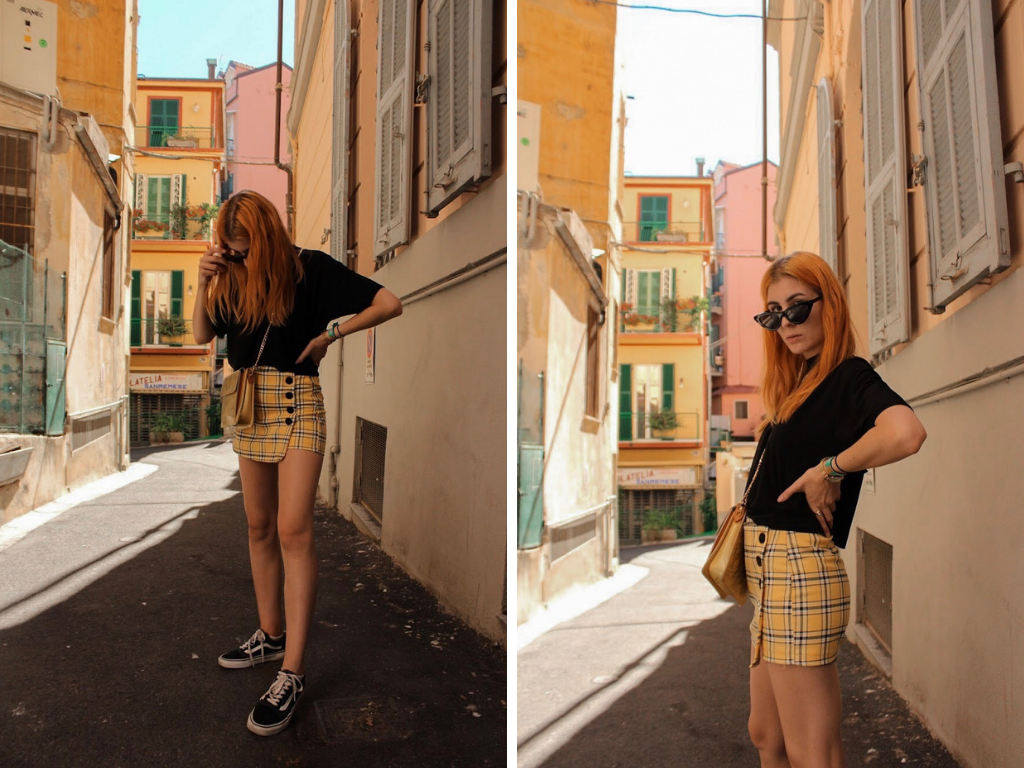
525	142
42	43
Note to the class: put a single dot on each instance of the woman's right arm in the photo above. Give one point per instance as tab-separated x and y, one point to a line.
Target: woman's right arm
210	265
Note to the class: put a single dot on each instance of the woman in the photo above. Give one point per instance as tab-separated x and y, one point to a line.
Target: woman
273	301
829	417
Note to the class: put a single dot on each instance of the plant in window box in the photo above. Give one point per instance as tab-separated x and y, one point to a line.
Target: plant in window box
171	327
663	422
693	307
658	525
166	428
181	141
669	315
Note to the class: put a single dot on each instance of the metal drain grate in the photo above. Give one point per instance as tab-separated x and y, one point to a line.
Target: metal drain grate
366	719
371	449
876	587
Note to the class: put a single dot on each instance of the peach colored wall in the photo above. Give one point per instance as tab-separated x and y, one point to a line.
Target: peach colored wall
252	98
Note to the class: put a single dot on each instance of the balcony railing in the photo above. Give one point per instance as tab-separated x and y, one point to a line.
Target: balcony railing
716	303
643	426
665	231
163	332
173	137
671	316
167	226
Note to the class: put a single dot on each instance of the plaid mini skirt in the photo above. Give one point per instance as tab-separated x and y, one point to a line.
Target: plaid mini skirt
801	595
289	414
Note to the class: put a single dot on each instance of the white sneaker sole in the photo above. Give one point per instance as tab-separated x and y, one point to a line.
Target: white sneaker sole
247	663
268	730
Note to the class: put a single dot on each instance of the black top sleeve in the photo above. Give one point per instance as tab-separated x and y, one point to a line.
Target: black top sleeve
868	395
337	290
220	325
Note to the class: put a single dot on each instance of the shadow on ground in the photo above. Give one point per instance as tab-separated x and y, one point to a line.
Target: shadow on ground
124	672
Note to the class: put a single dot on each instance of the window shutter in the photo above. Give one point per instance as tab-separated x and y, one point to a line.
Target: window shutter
964	188
177	189
56	398
459	103
884	168
339	145
668	387
396	30
625	404
136	316
177	293
668	276
141	192
631	288
827	229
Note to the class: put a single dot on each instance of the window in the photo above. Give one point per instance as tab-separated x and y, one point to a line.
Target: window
395	34
965	195
720	228
163	120
154	196
593	364
17	189
109	257
156	296
646	289
740	409
459	100
644	390
653	216
827	233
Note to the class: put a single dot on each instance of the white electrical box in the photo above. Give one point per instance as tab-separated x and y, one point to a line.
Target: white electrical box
28	45
528	146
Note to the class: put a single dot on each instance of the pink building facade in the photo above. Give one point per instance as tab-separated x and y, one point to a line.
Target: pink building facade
737	353
249	101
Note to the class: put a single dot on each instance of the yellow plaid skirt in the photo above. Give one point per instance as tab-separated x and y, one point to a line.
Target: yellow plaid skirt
801	596
289	414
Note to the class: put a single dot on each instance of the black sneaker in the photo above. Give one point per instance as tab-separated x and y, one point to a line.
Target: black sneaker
258	649
275	708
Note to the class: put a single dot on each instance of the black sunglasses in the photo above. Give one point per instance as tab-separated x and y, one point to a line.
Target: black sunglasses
235	256
796	313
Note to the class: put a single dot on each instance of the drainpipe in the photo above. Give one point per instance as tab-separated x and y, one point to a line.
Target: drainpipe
289	209
764	132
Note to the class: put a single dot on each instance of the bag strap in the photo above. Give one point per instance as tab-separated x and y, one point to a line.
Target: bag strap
262	345
750	485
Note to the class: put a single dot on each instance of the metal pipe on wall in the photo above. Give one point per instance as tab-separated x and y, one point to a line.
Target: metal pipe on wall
289	209
764	131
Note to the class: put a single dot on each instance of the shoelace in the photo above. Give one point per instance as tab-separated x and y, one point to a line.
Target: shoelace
247	648
281	685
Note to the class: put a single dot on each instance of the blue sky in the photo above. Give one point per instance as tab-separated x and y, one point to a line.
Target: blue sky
696	87
176	37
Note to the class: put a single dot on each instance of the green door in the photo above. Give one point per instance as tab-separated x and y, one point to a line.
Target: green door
531	497
56	359
163	121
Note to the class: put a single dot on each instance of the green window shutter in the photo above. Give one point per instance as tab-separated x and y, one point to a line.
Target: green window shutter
177	293
673	291
136	318
625	407
668	388
56	401
653	216
163	121
158	199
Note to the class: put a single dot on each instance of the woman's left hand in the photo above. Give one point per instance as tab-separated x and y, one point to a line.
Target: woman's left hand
316	350
822	496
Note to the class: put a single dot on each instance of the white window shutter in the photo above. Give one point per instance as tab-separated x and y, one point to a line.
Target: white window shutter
631	288
459	104
964	189
827	229
141	192
667	283
396	25
884	171
339	142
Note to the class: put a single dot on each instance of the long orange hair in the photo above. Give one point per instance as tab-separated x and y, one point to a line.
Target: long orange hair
264	287
782	389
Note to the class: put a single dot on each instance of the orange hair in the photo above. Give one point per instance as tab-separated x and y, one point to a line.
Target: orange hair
781	387
264	287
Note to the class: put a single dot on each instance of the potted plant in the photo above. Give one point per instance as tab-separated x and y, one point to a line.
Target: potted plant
658	525
213	416
662	422
669	315
181	141
171	327
693	307
167	428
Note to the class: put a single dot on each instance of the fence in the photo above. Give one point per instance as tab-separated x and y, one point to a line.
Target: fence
32	335
175	137
662	425
171	331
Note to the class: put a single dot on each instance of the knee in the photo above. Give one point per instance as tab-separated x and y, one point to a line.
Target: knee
767	739
261	528
295	537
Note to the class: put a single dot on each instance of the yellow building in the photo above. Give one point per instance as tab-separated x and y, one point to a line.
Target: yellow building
180	148
405	175
65	120
569	91
899	157
663	357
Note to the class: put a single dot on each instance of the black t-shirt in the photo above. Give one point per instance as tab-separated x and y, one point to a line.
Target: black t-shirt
328	290
833	417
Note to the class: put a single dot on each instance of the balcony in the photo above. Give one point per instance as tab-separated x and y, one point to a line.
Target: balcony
173	137
716	303
163	332
181	223
671	316
669	232
640	427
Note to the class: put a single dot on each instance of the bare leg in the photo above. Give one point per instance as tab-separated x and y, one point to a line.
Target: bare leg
810	709
764	725
297	479
259	490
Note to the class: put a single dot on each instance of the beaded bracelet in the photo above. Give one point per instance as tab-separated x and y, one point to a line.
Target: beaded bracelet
829	471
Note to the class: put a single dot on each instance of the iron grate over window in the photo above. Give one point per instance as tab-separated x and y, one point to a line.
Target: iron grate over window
144	408
637	505
566	538
876	588
17	188
89	429
371	449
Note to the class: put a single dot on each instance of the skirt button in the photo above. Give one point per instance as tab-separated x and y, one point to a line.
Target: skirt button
761	538
288	395
288	380
288	422
291	409
758	559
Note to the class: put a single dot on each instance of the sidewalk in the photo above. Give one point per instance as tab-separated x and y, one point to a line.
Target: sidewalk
657	676
113	613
